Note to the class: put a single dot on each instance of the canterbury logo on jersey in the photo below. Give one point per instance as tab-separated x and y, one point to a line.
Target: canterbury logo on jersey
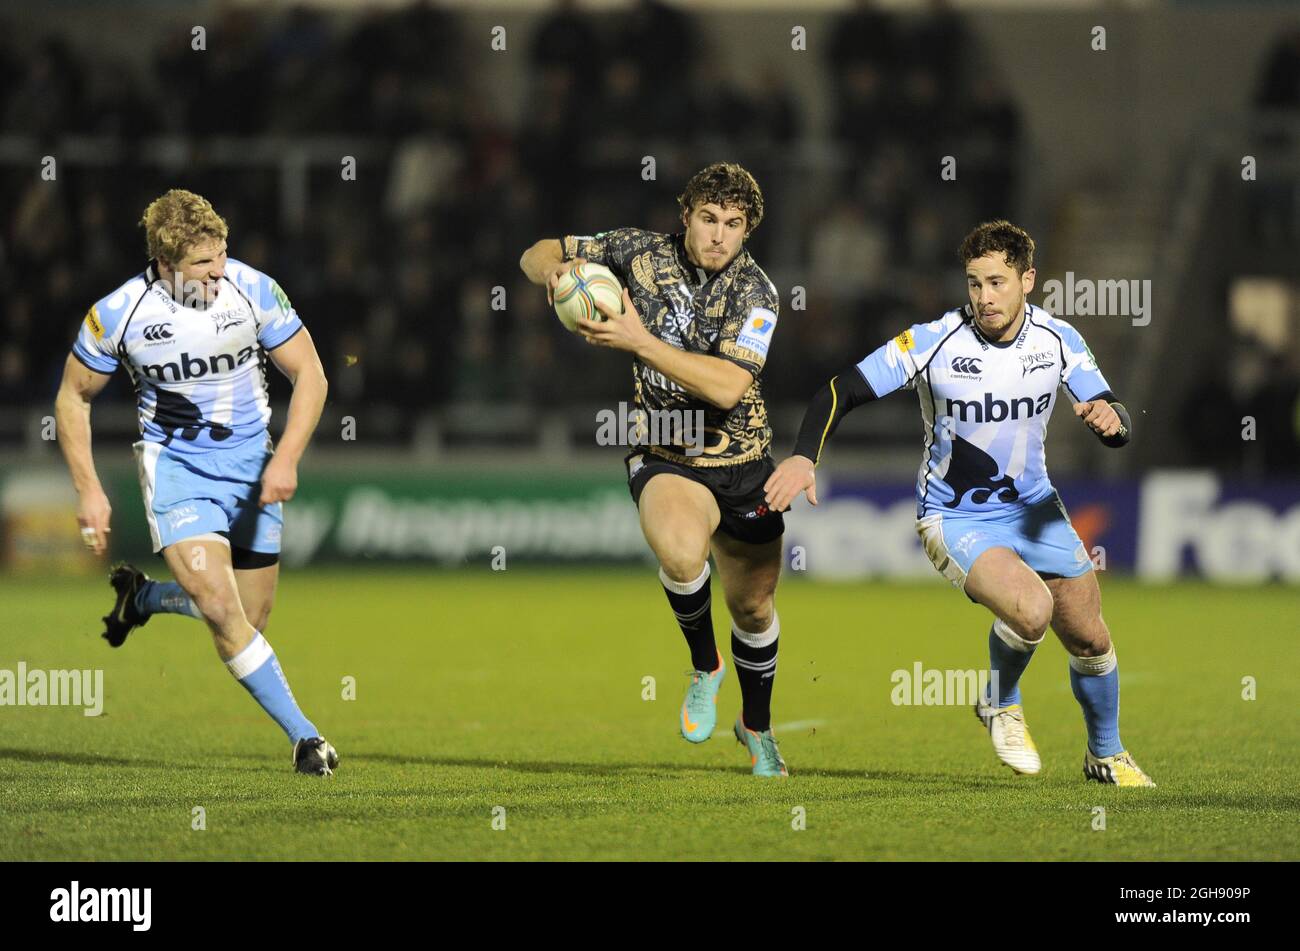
158	332
190	368
995	411
966	365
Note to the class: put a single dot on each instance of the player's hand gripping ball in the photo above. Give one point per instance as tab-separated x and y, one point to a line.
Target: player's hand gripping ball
580	288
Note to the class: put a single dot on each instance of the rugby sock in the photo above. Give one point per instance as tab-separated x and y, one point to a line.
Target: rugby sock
257	668
165	597
1095	682
754	657
1009	655
692	603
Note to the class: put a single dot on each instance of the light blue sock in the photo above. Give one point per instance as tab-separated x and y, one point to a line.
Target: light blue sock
165	597
1009	655
257	668
1095	682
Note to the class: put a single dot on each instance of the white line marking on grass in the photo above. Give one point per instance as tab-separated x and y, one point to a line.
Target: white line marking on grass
800	725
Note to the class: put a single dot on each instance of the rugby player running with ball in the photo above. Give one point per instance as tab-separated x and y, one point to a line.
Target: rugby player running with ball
698	318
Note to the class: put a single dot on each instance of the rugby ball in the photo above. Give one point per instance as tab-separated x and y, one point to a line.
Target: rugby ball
578	291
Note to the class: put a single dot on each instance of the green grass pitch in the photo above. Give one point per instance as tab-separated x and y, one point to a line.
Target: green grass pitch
523	689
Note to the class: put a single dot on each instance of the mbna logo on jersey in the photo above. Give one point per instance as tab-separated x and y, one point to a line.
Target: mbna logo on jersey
967	368
993	410
191	368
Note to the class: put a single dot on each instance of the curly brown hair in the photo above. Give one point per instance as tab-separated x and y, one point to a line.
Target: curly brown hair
177	220
728	185
1014	242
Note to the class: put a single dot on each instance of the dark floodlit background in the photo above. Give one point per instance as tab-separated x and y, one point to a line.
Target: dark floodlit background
475	424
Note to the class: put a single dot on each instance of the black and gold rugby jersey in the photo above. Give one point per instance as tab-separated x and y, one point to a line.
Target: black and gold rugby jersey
731	314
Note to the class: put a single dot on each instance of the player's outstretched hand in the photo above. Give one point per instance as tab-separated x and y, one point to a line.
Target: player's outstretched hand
794	475
279	481
552	279
93	513
1100	417
621	331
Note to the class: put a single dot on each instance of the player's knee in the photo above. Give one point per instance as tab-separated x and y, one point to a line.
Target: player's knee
1093	640
682	565
259	615
218	603
752	614
217	612
1033	614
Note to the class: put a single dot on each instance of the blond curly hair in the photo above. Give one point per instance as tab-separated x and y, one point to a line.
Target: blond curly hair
178	220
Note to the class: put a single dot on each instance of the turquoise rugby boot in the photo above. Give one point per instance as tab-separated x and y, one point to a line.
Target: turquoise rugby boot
763	753
700	708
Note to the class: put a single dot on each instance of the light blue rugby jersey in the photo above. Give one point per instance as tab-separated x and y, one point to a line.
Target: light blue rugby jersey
199	372
985	406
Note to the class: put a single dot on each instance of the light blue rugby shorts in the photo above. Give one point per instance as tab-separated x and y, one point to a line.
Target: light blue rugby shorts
200	493
1040	533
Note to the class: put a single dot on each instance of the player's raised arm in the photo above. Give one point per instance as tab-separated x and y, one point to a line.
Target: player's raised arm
551	258
1104	414
1107	417
72	420
541	258
544	263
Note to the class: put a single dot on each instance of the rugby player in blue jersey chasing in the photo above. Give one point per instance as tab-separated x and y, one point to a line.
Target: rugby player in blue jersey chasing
194	331
991	522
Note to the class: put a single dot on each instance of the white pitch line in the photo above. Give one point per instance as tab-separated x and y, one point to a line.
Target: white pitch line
800	724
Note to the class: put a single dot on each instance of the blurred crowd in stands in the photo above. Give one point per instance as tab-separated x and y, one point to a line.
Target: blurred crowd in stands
394	272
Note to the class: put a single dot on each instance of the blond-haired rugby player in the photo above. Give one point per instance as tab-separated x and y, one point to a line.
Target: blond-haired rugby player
194	330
